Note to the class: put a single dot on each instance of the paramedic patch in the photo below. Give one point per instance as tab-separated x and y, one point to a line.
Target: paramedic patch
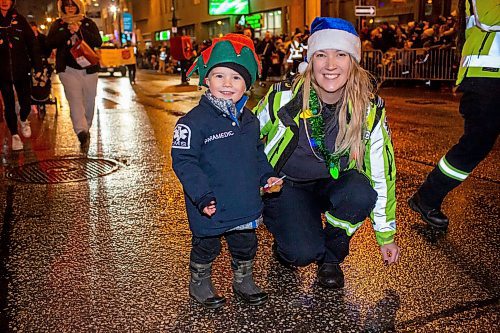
219	136
182	137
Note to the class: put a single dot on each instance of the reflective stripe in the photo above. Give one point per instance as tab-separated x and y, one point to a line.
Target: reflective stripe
450	171
491	61
264	117
481	25
390	226
348	227
377	167
279	134
495	45
285	97
471	22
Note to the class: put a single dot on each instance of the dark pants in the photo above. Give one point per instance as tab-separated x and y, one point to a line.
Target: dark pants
266	64
479	108
242	245
131	72
23	90
293	216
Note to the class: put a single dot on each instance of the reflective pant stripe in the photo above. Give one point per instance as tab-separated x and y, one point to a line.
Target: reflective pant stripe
450	171
348	227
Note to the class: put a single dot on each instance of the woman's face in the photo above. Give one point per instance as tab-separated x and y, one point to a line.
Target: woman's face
70	8
331	70
5	5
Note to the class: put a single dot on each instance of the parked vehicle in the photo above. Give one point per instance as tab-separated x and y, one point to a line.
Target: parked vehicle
115	59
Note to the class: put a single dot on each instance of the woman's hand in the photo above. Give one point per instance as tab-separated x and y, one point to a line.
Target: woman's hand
73	27
210	209
390	253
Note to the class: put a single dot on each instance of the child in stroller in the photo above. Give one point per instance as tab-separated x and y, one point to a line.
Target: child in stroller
41	91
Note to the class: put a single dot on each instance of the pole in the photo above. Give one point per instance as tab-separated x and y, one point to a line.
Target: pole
359	17
119	11
184	63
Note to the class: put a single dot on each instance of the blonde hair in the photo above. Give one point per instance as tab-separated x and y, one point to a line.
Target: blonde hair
355	99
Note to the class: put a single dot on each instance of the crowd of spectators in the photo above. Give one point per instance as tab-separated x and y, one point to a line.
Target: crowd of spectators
411	35
281	54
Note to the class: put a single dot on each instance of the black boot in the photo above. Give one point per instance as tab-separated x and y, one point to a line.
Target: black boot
243	284
201	288
330	276
433	216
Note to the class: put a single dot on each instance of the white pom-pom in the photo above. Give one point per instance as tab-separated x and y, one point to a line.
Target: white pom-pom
302	67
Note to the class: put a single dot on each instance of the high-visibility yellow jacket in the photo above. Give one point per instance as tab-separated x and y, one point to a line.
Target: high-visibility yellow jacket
481	51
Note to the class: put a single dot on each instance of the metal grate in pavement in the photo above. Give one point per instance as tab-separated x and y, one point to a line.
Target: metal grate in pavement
62	170
424	102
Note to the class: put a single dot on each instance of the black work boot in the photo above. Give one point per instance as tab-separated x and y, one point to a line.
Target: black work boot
243	284
433	216
201	288
330	276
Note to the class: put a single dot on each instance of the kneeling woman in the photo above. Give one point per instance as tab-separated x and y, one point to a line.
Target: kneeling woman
328	134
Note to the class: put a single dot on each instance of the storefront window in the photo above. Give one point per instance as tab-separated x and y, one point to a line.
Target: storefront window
218	28
271	21
187	30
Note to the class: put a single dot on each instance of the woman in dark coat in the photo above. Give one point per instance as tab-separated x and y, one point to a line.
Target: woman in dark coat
19	53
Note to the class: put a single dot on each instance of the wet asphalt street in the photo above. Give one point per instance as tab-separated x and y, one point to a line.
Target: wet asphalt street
110	254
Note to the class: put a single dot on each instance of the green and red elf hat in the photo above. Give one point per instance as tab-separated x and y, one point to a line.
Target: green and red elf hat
232	50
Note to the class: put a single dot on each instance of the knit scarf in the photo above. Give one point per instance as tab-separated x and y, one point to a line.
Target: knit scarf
226	106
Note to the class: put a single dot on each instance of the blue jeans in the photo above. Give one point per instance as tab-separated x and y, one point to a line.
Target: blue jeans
293	216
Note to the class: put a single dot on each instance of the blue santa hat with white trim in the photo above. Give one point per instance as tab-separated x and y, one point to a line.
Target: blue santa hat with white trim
332	33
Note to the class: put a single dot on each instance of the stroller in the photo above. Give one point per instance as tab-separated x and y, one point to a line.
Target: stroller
41	91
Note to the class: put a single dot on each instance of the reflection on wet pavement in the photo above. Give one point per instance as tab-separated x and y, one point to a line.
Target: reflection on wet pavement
111	254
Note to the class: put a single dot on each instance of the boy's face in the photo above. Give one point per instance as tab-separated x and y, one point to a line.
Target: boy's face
226	83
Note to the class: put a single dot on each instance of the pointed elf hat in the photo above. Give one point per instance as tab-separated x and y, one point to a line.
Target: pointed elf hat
231	48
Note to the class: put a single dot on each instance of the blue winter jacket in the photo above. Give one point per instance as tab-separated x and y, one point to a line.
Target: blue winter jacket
214	157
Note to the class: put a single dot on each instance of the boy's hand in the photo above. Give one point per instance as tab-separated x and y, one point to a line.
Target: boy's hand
210	209
274	184
390	253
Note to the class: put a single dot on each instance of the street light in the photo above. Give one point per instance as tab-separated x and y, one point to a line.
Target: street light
115	10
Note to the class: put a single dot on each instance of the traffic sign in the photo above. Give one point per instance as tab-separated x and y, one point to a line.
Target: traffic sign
365	11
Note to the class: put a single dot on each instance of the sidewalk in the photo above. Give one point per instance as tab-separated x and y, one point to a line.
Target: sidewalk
165	87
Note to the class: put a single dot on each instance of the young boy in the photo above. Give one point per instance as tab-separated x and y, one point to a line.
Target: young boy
219	159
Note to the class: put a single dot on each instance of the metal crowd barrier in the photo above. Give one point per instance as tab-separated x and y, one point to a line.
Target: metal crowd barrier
435	64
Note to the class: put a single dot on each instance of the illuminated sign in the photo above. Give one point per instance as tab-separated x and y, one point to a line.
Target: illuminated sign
255	20
127	22
162	35
228	7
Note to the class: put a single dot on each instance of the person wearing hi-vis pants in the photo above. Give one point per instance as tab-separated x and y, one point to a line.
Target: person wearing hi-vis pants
479	80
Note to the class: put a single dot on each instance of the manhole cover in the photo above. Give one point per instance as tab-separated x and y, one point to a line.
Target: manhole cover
62	170
424	102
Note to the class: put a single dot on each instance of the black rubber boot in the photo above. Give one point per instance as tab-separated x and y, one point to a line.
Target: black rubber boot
201	288
330	276
243	284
